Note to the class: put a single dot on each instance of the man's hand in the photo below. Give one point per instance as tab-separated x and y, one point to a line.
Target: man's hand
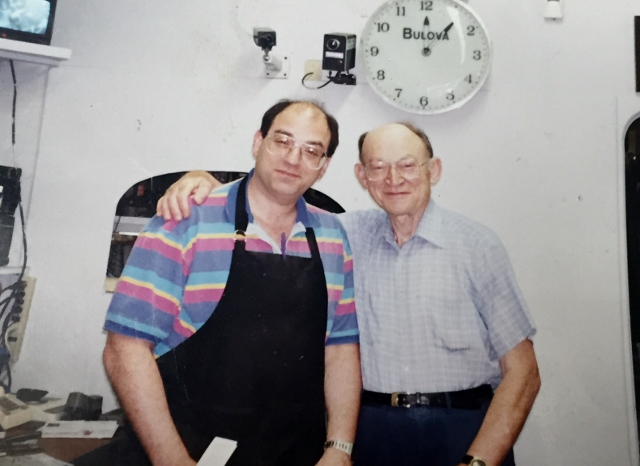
334	457
175	202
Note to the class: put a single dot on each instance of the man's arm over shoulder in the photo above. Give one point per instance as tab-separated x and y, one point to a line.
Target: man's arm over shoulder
361	227
358	222
195	185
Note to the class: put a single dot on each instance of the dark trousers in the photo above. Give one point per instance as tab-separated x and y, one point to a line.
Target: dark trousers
306	450
419	436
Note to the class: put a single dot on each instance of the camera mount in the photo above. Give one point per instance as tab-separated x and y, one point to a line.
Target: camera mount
275	66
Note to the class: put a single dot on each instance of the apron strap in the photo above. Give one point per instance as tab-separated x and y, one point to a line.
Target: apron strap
313	244
242	221
242	218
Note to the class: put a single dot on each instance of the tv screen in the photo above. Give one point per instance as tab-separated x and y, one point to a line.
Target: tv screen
27	20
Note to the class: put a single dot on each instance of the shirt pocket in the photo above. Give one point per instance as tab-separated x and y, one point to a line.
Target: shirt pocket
451	324
450	335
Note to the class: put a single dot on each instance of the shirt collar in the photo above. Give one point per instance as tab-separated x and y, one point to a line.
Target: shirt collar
303	215
430	227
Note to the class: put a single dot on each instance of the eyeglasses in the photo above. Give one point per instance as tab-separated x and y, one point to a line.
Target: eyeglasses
406	168
280	144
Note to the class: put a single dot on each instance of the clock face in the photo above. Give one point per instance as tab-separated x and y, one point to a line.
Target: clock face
425	56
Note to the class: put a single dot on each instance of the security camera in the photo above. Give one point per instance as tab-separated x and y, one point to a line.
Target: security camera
339	52
265	38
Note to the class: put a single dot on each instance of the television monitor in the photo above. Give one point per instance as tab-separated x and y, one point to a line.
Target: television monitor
27	20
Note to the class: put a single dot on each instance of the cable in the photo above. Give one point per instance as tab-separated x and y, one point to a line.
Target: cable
319	87
13	113
7	315
339	78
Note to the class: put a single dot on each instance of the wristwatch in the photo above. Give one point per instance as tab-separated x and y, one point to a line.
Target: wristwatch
473	461
339	445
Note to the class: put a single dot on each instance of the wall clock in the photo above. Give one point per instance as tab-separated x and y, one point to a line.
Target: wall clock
425	56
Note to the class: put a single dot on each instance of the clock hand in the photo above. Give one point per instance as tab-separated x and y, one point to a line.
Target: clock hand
438	35
426	51
447	29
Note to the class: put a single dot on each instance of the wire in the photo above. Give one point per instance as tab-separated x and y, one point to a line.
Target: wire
15	99
319	87
7	315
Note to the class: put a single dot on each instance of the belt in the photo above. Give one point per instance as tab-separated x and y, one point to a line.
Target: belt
472	398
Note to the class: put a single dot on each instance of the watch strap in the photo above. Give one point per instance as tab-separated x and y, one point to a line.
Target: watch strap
341	445
473	460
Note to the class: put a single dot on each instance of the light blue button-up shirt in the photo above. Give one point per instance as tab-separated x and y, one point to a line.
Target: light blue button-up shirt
438	313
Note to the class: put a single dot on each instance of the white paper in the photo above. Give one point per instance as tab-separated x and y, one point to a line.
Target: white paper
218	452
79	429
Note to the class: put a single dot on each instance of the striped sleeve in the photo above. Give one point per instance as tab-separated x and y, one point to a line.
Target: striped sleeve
147	300
343	327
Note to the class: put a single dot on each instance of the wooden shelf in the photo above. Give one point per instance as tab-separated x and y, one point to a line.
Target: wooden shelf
33	53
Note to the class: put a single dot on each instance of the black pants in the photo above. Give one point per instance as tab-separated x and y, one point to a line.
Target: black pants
306	450
420	436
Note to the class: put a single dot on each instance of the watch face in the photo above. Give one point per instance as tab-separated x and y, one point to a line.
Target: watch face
425	56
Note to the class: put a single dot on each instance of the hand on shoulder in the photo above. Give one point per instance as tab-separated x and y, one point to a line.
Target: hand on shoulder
174	204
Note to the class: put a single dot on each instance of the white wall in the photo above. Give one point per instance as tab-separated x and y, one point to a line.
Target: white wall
156	87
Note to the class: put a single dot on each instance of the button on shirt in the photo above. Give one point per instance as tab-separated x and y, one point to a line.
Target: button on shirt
438	313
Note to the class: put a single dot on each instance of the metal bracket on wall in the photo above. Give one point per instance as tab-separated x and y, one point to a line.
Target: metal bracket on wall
275	66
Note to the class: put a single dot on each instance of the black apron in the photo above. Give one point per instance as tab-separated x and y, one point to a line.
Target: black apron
254	372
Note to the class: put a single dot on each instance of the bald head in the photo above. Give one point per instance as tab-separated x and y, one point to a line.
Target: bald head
396	131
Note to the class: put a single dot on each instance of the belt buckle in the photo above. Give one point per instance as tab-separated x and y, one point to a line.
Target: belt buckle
394	400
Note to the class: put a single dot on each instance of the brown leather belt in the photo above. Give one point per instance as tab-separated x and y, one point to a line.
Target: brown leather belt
472	398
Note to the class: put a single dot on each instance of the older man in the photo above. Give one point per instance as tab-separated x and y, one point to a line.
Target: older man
449	370
240	322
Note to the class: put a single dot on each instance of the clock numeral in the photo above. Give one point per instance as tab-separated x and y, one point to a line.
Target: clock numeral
400	11
450	96
382	27
428	6
468	79
471	30
477	55
374	51
380	75
399	91
424	101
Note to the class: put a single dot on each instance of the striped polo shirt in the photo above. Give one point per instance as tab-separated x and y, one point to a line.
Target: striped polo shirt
177	271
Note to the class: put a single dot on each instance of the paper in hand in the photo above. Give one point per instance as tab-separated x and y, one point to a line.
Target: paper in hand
218	452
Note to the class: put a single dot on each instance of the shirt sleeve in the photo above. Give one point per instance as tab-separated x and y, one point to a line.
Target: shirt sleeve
500	301
147	298
358	225
344	327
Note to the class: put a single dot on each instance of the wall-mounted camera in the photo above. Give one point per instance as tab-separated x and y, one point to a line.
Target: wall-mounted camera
265	38
339	53
275	66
